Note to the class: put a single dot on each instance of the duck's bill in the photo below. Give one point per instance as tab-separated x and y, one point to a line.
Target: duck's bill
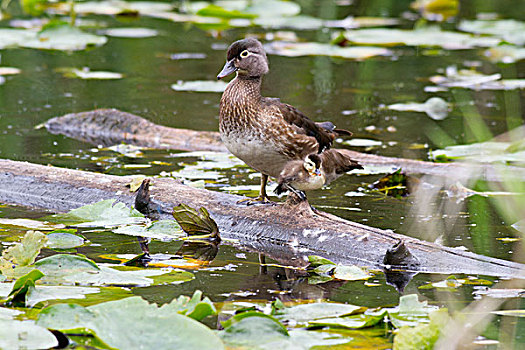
228	69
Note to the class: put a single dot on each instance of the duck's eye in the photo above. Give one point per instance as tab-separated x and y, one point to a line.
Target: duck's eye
245	53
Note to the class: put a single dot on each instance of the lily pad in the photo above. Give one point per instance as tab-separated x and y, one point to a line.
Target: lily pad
410	311
309	312
9	71
350	273
44	293
25	335
510	30
86	73
31	224
122	324
353	322
133	32
476	81
319	49
427	36
22	254
22	286
273	8
218	11
506	53
116	7
301	22
105	213
435	107
64	240
65	38
251	328
13	37
423	336
195	307
483	152
200	86
163	230
82	271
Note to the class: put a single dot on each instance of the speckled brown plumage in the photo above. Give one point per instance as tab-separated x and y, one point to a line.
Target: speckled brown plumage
331	165
264	132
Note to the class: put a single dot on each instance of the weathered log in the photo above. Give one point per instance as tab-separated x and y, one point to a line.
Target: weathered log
285	232
110	126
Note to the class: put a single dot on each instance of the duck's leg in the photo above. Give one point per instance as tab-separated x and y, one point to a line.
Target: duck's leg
262	198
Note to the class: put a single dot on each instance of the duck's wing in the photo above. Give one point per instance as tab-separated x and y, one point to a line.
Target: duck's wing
305	125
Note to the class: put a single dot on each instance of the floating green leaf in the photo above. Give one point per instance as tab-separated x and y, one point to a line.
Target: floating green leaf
435	107
217	11
13	37
353	322
474	80
195	222
423	336
300	22
25	335
82	271
309	312
350	273
251	328
23	286
200	86
505	53
116	7
163	229
65	38
510	30
31	224
437	10
427	36
195	307
485	152
86	74
410	311
319	49
122	324
133	32
64	240
101	214
15	260
273	8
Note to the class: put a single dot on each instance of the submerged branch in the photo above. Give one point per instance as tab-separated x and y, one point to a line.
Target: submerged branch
110	126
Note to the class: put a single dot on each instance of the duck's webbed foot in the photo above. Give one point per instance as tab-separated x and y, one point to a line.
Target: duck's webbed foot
258	200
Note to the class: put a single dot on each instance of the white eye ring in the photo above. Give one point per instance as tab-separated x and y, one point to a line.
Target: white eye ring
245	53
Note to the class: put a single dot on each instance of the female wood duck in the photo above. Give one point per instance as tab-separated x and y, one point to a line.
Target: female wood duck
264	132
314	172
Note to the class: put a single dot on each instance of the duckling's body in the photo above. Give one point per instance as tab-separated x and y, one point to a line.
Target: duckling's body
315	171
264	132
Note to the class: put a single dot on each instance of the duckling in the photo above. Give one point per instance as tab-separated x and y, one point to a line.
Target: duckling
314	172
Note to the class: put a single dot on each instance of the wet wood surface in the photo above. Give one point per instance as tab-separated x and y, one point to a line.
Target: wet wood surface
285	232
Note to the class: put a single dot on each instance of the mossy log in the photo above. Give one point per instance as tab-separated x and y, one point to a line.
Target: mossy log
286	232
110	126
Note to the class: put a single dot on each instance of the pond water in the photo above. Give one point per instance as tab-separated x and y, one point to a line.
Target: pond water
351	93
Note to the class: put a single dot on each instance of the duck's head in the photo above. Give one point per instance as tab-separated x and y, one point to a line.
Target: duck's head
247	58
312	164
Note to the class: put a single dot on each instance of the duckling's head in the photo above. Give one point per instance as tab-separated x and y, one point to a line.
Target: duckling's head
247	58
312	164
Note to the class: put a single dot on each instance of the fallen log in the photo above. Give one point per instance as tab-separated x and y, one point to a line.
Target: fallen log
110	126
285	232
